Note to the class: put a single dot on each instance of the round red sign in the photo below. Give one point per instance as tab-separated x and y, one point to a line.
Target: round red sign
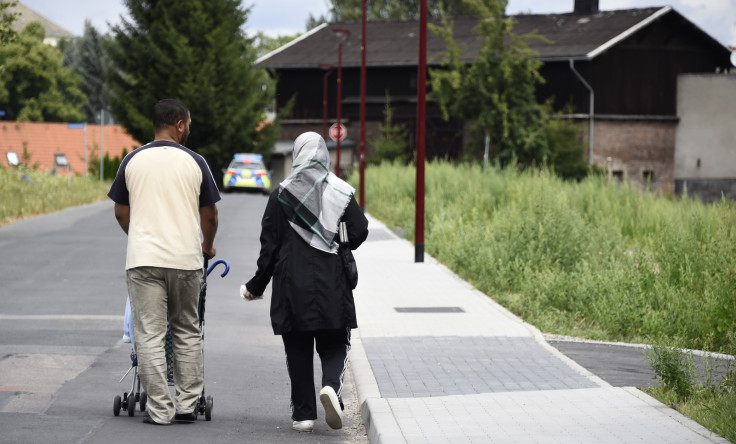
338	132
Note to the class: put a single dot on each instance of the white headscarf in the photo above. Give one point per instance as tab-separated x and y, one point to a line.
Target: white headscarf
313	198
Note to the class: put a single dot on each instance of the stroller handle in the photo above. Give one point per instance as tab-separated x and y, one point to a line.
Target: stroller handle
215	264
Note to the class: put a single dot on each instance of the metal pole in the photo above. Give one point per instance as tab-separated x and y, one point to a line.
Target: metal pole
86	167
343	34
324	105
362	107
102	145
325	89
421	136
339	104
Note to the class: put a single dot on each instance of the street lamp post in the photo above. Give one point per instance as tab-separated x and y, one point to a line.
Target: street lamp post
421	133
362	106
328	70
343	34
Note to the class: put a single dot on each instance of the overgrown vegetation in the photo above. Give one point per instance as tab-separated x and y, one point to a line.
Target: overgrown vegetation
710	402
591	259
26	192
588	258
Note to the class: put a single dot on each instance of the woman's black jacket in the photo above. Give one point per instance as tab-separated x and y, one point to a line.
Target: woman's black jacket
310	291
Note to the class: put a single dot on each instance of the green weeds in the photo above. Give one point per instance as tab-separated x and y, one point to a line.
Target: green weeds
25	192
592	259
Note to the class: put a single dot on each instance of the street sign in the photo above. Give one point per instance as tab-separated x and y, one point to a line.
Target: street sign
338	132
75	125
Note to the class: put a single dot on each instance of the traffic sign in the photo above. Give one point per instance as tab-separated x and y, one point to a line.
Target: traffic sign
338	132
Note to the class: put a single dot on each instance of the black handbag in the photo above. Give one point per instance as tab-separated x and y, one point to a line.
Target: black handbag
346	256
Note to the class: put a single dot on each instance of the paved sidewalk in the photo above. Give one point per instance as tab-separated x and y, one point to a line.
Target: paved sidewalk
435	360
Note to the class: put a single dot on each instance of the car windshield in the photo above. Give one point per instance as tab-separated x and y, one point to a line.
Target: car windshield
238	165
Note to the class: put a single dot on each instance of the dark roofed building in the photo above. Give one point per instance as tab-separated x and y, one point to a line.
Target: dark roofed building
627	60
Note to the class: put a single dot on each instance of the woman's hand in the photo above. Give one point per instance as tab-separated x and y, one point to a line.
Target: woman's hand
245	294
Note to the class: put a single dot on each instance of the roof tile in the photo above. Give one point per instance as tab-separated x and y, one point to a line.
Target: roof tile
43	139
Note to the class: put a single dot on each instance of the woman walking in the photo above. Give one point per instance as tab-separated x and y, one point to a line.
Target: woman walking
312	301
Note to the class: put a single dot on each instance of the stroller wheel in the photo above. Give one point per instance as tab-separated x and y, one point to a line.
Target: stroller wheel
131	406
208	408
116	405
144	399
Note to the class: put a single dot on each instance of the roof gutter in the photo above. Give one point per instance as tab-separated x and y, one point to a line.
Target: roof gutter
591	110
646	22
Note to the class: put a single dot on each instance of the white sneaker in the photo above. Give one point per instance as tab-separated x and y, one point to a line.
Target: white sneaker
303	426
333	412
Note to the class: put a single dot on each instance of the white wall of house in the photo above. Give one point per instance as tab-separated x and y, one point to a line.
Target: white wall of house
705	140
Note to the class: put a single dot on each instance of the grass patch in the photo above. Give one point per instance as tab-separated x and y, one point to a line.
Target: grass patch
711	402
25	192
589	259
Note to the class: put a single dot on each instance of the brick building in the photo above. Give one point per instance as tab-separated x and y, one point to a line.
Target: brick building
41	141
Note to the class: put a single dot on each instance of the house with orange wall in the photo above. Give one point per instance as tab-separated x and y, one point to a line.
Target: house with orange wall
43	140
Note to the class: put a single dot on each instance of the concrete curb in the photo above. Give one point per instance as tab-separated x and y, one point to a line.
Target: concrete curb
378	418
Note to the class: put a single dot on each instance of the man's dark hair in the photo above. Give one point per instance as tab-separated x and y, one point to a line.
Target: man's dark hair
167	112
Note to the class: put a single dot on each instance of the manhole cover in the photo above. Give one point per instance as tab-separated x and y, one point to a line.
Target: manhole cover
429	309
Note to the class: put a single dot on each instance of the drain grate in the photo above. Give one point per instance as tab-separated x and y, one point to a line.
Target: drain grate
429	309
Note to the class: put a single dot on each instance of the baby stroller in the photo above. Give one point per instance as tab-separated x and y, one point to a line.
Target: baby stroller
129	399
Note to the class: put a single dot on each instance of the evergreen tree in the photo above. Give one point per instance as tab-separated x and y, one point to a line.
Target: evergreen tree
194	51
34	85
496	92
86	56
393	141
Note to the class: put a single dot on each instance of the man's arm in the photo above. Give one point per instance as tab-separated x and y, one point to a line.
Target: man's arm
208	220
122	214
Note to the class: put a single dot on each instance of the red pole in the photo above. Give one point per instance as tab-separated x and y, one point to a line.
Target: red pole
339	103
343	34
421	134
362	109
324	99
324	105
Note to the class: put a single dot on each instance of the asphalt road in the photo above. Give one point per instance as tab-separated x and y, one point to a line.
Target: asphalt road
62	299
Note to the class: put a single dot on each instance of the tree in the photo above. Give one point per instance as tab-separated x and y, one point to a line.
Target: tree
393	141
193	51
351	10
265	44
34	85
496	92
87	57
7	18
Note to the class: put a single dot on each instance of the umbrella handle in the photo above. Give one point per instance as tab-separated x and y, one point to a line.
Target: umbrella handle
217	262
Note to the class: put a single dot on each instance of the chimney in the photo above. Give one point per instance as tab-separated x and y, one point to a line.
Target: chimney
586	6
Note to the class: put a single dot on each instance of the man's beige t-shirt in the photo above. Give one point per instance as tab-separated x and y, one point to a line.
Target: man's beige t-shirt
164	184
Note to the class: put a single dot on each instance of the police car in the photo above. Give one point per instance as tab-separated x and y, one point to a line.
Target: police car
247	172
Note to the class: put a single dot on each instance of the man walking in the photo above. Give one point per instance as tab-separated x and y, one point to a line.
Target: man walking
165	197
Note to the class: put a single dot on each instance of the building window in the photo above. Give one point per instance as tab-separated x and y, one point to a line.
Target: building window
647	176
618	174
